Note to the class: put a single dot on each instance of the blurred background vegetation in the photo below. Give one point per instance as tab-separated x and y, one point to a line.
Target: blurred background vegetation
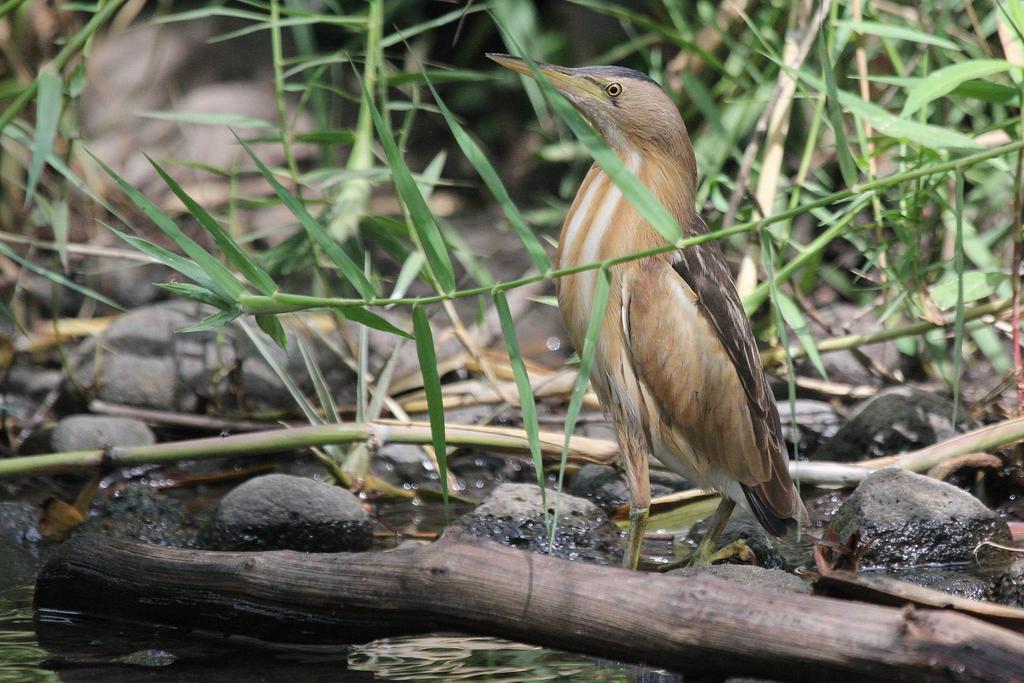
881	139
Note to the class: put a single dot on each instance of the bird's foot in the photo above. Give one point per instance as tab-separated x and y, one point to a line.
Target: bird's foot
738	549
706	554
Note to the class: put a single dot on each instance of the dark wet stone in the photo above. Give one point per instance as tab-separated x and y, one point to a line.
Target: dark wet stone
742	526
1009	587
894	421
143	513
87	432
403	464
480	471
771	580
513	515
909	519
959	584
281	512
823	508
816	422
607	488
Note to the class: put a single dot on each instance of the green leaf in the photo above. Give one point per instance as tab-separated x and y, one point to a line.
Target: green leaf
890	125
195	293
209	119
432	387
490	177
429	236
173	261
323	392
527	402
898	33
958	267
346	265
59	221
272	326
49	102
224	282
57	277
235	256
943	81
372	320
219	319
976	285
795	319
846	164
597	314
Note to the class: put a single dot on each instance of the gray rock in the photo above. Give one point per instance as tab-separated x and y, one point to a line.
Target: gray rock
909	519
959	584
844	366
143	360
403	463
86	432
513	515
896	420
1009	587
281	512
772	580
816	422
606	486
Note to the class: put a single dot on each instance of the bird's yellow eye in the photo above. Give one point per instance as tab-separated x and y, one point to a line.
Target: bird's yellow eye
613	89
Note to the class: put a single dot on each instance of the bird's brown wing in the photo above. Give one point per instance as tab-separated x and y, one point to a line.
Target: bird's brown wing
727	371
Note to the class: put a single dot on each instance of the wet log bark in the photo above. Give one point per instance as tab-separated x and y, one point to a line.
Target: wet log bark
681	623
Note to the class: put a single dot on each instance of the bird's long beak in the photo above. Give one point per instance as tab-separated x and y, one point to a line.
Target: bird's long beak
564	79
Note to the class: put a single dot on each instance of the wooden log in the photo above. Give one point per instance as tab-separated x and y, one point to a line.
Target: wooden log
686	624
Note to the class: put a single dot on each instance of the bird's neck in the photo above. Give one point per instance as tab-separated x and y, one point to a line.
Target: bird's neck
601	222
670	173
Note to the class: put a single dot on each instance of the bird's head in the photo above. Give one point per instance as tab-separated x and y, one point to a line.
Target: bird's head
628	108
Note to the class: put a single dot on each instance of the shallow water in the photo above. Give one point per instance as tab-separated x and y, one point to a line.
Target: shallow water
71	647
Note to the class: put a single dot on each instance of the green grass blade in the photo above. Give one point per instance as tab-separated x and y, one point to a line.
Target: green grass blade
225	283
597	314
527	403
56	277
212	322
195	293
370	319
173	261
958	267
346	265
323	392
432	387
943	81
49	103
835	116
59	218
898	33
423	221
490	177
209	119
272	326
792	316
235	256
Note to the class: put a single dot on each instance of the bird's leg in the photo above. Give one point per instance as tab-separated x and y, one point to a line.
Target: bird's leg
638	479
716	524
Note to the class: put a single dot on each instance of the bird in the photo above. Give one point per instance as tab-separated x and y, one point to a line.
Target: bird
676	365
